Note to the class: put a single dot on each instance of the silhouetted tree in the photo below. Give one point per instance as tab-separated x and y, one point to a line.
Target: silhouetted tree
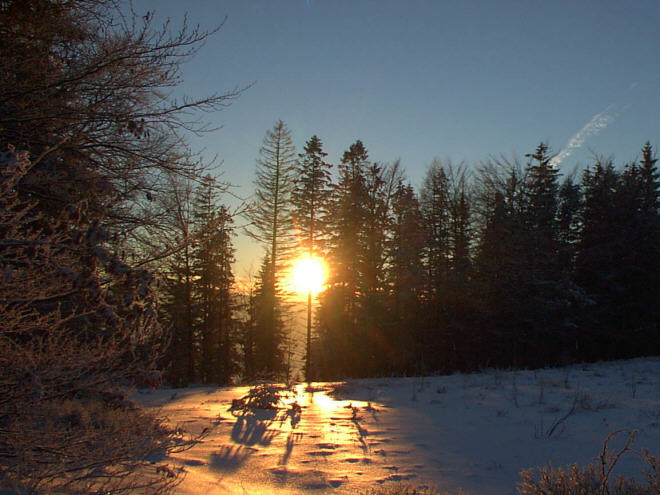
339	331
86	81
179	309
311	198
213	257
271	224
405	350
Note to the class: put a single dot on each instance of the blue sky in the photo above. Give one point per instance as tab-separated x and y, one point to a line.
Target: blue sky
415	79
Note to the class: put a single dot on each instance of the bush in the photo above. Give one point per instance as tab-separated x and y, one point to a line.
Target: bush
398	489
78	326
594	479
261	396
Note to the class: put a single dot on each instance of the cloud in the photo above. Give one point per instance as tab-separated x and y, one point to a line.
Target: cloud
599	122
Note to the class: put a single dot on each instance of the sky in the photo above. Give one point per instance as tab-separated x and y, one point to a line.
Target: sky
418	79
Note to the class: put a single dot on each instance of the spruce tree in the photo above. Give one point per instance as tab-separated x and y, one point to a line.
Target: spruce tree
501	282
434	205
179	308
339	331
311	198
271	224
213	257
541	207
598	270
405	284
548	299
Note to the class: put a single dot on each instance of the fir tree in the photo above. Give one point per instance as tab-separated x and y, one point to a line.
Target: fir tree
271	224
311	198
213	257
434	205
406	283
341	338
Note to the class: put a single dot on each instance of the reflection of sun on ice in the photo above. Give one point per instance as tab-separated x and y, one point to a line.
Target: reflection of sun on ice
308	274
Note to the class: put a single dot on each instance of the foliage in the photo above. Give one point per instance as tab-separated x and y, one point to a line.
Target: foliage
88	80
271	224
506	267
594	479
311	200
403	489
78	326
262	396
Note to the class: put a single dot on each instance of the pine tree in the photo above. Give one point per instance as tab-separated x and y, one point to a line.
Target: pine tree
179	308
271	224
405	284
213	257
268	326
541	208
598	270
446	212
550	295
434	205
638	202
460	229
340	337
373	317
311	198
501	283
568	225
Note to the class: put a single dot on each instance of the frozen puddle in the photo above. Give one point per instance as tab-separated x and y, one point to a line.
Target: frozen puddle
474	432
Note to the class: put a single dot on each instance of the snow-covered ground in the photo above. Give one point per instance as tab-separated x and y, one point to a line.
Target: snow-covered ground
468	431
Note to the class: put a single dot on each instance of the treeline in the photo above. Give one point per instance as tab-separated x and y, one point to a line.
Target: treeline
504	264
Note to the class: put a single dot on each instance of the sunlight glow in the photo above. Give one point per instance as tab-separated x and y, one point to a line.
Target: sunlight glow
308	273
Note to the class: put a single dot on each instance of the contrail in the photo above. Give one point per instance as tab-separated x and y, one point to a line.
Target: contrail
599	122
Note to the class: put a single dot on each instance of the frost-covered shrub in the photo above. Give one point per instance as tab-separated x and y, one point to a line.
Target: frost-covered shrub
77	325
262	396
593	479
403	489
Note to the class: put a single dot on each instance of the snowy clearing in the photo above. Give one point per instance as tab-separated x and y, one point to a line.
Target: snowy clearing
468	431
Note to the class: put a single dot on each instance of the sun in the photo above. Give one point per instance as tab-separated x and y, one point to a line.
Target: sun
308	274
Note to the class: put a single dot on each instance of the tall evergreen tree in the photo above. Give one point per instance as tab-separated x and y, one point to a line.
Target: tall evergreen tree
549	297
434	205
405	284
311	198
267	328
541	206
500	280
271	224
460	229
213	257
339	306
179	307
598	269
446	211
381	182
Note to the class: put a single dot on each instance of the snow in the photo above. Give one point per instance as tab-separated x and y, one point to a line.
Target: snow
466	431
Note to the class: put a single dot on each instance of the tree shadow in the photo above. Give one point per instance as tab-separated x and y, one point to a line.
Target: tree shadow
229	458
251	428
292	439
361	432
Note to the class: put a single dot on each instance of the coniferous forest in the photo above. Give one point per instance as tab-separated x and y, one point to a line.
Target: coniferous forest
505	264
118	245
